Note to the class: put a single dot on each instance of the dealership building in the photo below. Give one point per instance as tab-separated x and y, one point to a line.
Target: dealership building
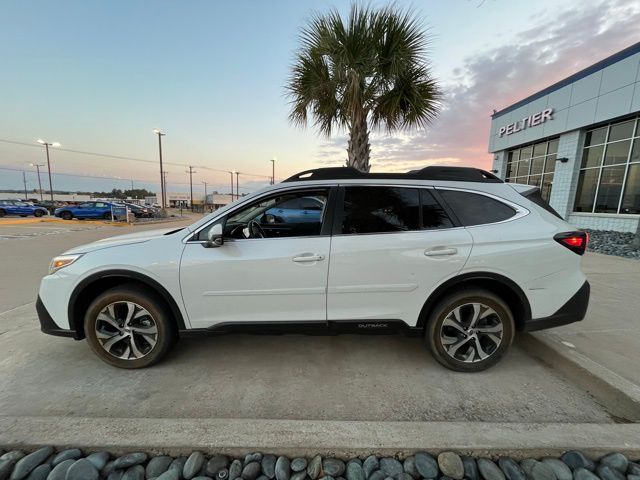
579	141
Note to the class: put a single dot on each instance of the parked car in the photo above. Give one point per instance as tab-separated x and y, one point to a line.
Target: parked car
24	209
49	205
139	211
451	254
85	210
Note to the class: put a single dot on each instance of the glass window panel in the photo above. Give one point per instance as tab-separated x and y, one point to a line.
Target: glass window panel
609	190
380	209
547	182
536	165
523	167
510	168
620	131
586	190
535	180
635	153
617	152
514	155
592	157
631	197
473	209
550	164
553	146
594	137
525	152
433	215
539	149
522	180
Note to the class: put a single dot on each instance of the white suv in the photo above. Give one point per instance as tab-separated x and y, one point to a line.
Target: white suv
453	254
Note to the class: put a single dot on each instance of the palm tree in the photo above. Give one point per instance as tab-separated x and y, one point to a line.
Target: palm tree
367	71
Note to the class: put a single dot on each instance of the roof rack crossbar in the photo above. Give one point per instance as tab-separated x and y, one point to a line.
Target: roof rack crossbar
457	174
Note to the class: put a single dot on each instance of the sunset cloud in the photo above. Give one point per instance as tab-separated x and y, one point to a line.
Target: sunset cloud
557	44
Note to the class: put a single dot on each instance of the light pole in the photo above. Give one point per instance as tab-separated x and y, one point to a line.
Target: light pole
38	165
273	170
237	184
46	147
164	182
205	197
24	181
191	172
162	186
231	173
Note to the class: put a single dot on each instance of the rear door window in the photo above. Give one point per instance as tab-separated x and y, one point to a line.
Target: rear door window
433	215
475	209
380	210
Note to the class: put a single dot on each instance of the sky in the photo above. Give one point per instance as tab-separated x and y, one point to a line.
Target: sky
98	77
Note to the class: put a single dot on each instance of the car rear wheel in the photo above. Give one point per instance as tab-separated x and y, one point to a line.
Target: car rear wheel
470	330
38	213
128	327
106	216
66	215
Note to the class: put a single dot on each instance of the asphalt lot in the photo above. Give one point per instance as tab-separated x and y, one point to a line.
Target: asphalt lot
383	378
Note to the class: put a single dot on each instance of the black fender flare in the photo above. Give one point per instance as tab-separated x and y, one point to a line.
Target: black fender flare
129	274
469	277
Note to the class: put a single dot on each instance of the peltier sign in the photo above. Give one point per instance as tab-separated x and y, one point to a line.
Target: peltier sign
530	121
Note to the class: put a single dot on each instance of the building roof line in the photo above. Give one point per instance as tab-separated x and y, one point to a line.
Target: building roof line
616	57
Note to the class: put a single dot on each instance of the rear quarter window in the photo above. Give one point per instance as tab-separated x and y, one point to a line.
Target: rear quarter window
475	209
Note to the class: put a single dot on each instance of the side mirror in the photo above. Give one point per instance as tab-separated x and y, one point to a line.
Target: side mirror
214	238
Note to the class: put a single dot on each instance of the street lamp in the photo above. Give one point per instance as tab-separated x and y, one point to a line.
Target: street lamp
46	146
160	135
237	184
231	173
38	165
273	170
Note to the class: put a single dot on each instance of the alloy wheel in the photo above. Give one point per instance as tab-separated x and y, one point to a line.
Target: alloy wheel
471	332
126	330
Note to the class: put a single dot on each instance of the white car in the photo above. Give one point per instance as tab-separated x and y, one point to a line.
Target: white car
452	254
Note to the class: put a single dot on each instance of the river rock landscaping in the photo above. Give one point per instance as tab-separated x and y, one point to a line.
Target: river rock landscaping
613	243
72	464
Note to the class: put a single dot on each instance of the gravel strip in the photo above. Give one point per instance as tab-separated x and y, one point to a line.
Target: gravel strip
71	464
613	243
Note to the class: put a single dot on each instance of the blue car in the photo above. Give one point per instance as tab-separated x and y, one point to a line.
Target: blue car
85	210
296	210
24	209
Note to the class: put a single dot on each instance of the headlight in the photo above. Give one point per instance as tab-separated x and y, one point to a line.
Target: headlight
62	261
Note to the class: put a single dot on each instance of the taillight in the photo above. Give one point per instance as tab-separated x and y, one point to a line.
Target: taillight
574	241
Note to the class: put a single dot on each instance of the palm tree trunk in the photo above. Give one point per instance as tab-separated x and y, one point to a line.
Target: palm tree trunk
358	149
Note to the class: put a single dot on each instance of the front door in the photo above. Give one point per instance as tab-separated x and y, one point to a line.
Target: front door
269	269
393	246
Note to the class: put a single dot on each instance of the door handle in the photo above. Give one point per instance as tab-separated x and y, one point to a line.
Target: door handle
308	258
440	252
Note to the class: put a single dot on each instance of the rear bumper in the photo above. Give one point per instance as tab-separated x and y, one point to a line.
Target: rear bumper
573	311
48	326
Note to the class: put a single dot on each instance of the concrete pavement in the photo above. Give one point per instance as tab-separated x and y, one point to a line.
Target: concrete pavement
610	333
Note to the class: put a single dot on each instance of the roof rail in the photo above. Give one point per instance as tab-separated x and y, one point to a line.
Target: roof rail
457	174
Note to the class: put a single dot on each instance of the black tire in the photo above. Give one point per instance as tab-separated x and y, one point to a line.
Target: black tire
472	343
106	216
2	213
66	215
23	215
38	213
153	304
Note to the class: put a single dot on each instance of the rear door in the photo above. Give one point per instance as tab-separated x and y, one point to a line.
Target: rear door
391	247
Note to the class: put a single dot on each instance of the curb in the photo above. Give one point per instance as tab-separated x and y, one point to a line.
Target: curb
619	396
307	438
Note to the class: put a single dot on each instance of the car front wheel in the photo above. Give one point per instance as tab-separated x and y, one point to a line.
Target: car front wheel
66	215
38	213
470	330
128	327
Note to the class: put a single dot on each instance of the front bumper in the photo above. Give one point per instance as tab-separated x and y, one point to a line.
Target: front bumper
48	326
573	311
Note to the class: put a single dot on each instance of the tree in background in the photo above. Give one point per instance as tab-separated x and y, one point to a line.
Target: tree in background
369	70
